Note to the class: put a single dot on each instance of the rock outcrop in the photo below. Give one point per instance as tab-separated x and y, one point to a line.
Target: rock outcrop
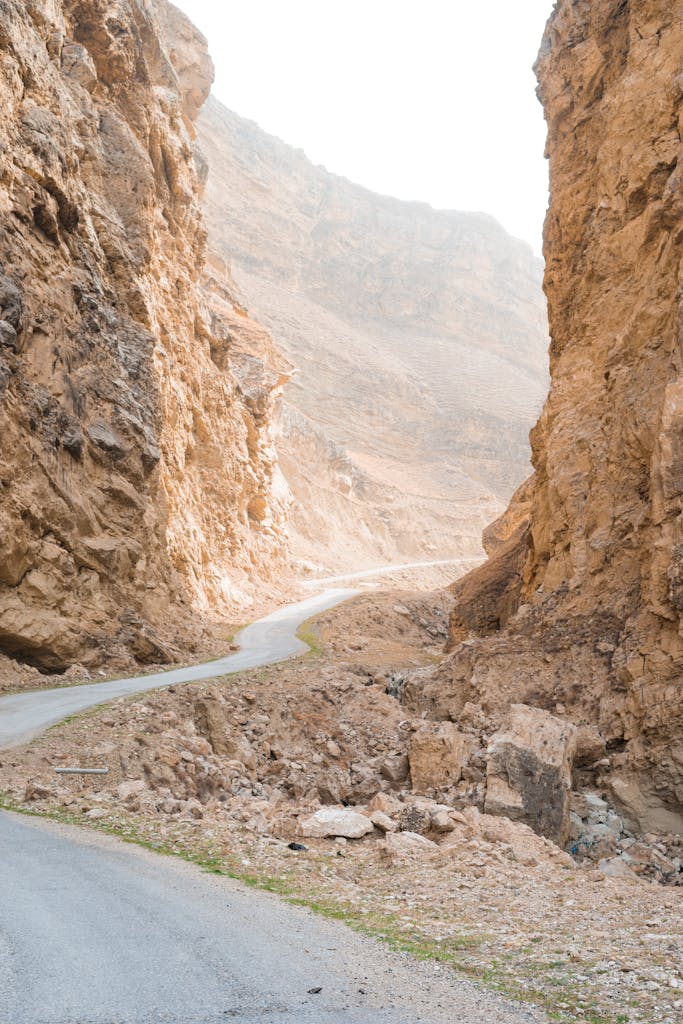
138	482
419	338
595	631
529	771
437	756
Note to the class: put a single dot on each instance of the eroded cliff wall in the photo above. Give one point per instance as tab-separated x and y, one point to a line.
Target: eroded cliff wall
597	634
138	483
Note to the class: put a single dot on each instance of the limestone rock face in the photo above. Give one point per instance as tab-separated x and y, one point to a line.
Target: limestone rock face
137	476
419	338
485	600
529	771
597	629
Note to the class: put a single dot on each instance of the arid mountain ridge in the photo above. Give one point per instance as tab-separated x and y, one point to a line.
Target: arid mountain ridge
419	340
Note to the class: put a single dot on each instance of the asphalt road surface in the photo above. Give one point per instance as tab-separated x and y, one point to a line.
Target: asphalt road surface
387	570
269	640
95	931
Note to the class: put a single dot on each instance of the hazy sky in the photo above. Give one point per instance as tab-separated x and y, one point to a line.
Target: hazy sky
420	99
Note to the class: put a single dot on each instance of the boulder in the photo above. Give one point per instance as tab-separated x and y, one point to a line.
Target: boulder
395	768
385	802
336	821
615	867
211	721
399	845
416	820
437	755
442	821
383	822
528	772
34	791
126	790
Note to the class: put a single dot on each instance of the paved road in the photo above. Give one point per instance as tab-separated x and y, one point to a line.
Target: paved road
94	931
387	570
269	640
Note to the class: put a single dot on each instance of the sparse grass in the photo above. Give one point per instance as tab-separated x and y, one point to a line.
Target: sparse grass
85	713
308	633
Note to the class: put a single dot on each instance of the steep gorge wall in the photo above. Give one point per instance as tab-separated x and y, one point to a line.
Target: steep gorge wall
597	577
138	483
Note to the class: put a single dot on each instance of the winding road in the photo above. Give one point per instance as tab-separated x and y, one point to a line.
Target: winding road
271	639
388	570
95	931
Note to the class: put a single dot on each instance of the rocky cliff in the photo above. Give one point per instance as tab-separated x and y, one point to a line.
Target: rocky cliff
593	592
138	482
419	338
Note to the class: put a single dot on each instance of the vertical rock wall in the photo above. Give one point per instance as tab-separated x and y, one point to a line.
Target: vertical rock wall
137	477
597	632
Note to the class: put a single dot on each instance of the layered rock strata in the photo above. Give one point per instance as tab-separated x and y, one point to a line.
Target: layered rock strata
137	474
594	632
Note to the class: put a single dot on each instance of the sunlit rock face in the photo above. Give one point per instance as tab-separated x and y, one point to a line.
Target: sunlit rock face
137	475
420	343
597	629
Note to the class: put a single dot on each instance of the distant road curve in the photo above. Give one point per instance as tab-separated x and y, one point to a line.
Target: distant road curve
271	639
387	570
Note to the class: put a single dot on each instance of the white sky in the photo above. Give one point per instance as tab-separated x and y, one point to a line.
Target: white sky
420	99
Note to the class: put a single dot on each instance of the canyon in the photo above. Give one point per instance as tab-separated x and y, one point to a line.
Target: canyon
418	338
150	417
227	368
172	461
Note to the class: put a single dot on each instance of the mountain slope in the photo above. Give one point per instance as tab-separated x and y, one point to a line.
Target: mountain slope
419	338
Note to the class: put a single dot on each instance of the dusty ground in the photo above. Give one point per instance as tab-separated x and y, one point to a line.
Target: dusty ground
225	772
